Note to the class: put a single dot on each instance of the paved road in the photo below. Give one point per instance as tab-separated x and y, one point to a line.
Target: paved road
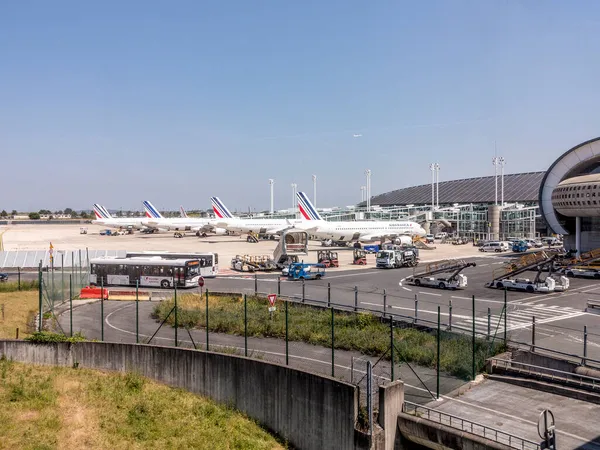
576	421
120	326
560	317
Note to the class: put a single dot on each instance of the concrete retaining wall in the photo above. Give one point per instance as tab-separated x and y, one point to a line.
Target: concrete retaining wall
436	436
309	411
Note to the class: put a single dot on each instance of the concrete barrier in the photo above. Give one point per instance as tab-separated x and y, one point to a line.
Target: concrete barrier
308	410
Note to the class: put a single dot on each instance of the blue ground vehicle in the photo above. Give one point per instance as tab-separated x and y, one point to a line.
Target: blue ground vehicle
305	271
520	247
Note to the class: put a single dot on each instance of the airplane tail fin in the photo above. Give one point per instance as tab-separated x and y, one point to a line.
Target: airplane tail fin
308	211
100	212
151	211
105	211
220	209
182	212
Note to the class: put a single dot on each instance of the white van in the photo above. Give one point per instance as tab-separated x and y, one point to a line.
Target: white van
494	247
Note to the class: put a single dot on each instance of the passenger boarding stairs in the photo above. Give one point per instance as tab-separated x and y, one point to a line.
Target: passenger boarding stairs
291	245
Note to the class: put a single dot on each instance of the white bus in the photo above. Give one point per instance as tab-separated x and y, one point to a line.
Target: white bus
149	271
209	262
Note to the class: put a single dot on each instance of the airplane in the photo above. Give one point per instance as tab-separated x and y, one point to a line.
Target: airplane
260	226
154	219
103	217
361	231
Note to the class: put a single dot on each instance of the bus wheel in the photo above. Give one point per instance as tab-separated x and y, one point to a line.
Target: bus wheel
165	284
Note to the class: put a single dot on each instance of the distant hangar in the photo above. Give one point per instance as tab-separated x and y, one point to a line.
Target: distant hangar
518	188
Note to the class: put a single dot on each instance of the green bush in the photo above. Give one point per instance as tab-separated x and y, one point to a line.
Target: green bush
13	286
46	337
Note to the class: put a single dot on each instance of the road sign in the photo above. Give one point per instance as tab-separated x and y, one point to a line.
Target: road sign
272	298
201	282
272	308
546	429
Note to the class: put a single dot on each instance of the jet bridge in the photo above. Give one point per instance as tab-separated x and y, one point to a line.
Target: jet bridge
452	278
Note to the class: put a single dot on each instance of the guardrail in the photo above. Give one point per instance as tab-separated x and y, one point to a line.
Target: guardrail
475	428
554	374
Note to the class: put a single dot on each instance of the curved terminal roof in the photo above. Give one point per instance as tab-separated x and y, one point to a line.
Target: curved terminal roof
518	187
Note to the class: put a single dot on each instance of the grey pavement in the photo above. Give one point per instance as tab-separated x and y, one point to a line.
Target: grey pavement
515	410
120	326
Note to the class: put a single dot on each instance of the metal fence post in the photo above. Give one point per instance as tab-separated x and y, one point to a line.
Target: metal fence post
332	342
137	311
287	353
278	286
176	318
19	276
533	334
62	277
355	298
473	342
328	295
207	345
384	303
505	316
438	352
416	309
585	337
102	309
392	347
71	304
370	397
255	284
489	324
245	326
40	281
303	289
450	315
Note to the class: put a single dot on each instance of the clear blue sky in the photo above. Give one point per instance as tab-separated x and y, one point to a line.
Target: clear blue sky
119	101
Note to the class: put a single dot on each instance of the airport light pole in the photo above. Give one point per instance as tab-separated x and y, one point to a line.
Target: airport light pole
362	193
271	183
368	174
495	163
437	188
314	177
294	186
432	168
502	161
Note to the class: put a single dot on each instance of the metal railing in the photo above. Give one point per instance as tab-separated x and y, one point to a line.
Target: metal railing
475	428
571	378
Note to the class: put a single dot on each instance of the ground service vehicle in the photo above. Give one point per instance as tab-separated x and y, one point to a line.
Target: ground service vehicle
360	257
493	247
442	274
520	247
328	258
394	259
149	272
305	271
3	277
209	261
582	271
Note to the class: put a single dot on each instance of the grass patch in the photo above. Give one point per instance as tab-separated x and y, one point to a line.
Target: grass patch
353	331
13	286
57	407
19	310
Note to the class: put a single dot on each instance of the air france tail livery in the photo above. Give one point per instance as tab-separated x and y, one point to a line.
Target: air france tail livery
261	226
363	231
155	220
104	218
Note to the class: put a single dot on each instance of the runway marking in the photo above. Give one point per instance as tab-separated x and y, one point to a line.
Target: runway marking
327	277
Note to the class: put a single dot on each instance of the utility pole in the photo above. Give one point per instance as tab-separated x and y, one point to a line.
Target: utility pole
271	183
432	168
362	193
294	186
368	175
314	178
437	169
495	163
502	161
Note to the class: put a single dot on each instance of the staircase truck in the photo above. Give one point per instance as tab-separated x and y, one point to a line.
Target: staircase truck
442	274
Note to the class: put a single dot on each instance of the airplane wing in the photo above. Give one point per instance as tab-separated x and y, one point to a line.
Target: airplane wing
277	230
370	237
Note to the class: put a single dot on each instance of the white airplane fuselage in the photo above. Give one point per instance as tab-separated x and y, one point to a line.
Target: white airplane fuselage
362	231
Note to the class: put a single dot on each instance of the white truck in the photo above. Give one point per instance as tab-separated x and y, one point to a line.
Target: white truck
582	271
442	274
394	259
549	284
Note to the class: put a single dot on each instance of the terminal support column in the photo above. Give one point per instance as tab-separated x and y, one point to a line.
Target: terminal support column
578	235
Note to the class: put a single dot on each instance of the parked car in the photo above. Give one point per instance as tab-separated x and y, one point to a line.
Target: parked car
494	247
3	277
429	239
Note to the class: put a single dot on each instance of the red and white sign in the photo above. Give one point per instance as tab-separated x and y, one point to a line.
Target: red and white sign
272	299
201	282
